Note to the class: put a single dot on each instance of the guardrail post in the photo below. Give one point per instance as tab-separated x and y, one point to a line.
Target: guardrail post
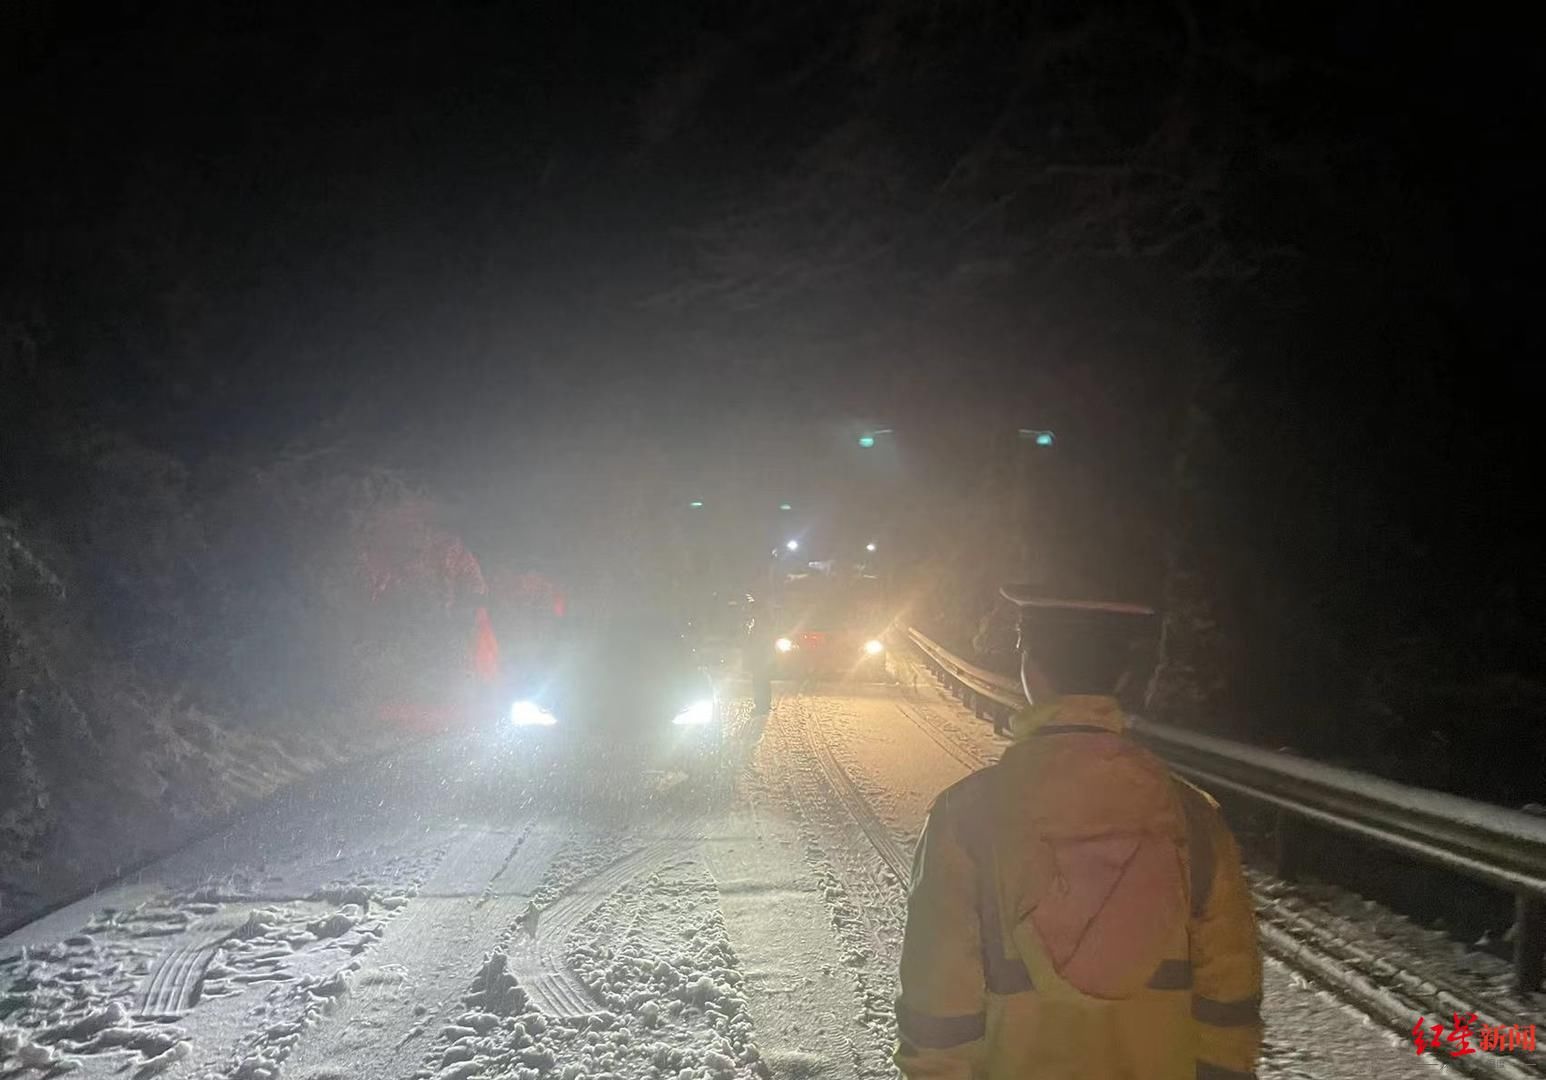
1529	943
1001	718
1285	848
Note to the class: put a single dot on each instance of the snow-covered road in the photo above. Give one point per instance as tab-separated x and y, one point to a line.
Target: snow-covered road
427	916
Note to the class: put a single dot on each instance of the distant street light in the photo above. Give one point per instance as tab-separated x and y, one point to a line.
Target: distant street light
867	439
793	545
1040	438
870	546
785	506
696	504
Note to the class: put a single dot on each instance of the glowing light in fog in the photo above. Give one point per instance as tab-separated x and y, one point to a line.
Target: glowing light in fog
530	714
874	648
793	545
696	504
785	506
866	441
695	715
783	644
870	546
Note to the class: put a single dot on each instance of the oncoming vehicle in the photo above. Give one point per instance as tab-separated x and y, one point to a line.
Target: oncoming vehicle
615	697
831	628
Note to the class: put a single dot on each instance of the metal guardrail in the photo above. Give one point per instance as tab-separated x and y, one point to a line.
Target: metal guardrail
994	688
1500	847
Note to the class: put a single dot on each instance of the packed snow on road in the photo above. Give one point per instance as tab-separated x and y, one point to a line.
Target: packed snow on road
439	914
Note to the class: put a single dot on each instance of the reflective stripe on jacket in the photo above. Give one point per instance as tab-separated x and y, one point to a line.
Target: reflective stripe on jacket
1188	1005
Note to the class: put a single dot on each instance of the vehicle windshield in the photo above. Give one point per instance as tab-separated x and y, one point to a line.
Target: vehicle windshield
722	615
826	605
645	638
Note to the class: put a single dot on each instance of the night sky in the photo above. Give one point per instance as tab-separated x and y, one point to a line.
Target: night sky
254	217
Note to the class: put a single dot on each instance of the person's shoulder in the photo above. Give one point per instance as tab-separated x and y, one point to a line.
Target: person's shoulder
966	800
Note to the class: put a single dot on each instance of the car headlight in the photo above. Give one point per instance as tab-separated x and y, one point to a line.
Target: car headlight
695	715
783	644
530	714
874	647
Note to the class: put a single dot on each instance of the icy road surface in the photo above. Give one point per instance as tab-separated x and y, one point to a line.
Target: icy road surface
426	916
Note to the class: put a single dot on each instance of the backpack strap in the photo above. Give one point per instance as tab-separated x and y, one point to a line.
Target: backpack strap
1198	808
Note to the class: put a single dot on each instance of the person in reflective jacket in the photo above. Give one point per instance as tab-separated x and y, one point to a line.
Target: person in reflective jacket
1075	909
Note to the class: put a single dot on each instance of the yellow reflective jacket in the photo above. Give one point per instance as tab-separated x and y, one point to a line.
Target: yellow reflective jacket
1076	911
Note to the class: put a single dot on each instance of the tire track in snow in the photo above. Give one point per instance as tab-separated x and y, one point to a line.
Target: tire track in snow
404	986
1310	944
537	958
876	831
910	702
864	899
173	984
926	722
780	925
824	781
934	731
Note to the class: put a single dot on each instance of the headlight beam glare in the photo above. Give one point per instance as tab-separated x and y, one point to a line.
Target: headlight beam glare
695	715
530	714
